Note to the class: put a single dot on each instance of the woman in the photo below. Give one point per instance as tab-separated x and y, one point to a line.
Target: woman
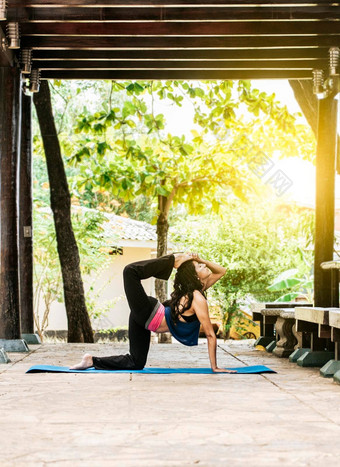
182	315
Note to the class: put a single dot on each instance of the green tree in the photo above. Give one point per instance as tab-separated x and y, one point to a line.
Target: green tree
79	325
125	150
255	241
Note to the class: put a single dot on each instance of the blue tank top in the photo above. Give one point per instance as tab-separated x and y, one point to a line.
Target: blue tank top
185	332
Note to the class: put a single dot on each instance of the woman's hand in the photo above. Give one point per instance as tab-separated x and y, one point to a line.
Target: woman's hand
196	257
223	370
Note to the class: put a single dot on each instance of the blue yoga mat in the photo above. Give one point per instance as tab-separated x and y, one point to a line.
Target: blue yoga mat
148	371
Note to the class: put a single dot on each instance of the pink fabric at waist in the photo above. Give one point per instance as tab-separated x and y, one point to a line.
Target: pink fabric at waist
157	319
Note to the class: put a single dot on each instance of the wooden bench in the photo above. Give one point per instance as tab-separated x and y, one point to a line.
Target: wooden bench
268	320
313	323
334	323
287	339
332	367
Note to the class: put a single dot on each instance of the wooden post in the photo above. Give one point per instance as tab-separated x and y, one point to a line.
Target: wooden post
25	220
324	204
10	116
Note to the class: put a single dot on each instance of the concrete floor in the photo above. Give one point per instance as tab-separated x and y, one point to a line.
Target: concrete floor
291	418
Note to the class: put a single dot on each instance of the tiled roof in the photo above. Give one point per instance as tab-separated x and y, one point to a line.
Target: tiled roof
118	226
128	229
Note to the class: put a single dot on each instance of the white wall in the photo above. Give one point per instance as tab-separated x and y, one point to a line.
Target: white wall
119	313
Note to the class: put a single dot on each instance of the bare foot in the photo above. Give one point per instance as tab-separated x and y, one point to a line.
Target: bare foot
180	258
86	362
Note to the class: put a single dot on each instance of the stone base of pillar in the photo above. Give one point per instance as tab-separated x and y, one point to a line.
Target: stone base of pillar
285	337
31	338
271	346
4	357
14	345
330	368
293	357
164	338
263	340
336	377
315	358
282	352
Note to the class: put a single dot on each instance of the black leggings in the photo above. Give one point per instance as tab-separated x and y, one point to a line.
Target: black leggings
141	306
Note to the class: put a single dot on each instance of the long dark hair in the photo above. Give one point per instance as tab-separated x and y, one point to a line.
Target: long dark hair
185	283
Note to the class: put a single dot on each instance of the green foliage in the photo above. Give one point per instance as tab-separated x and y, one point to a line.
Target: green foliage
47	274
123	149
296	282
121	157
97	308
255	242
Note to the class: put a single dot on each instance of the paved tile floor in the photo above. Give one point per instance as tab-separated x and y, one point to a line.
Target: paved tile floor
291	418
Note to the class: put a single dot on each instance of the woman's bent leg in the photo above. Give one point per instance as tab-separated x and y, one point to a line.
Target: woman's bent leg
139	338
141	307
140	304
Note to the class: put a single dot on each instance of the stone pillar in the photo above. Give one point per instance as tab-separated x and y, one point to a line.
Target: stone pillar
10	116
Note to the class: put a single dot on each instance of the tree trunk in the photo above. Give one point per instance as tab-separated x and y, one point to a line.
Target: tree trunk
162	249
79	325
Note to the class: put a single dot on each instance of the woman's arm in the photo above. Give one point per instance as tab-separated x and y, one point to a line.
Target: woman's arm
200	306
217	271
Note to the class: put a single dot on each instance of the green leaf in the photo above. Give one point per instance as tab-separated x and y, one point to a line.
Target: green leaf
149	179
284	284
111	116
287	274
162	191
289	297
130	88
199	92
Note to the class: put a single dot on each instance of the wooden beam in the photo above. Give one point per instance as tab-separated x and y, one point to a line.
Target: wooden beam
305	326
6	55
10	116
175	64
136	3
324	332
175	74
324	203
25	220
176	54
182	28
335	335
171	13
90	43
308	102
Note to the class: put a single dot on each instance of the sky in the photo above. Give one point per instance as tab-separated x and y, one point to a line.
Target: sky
301	173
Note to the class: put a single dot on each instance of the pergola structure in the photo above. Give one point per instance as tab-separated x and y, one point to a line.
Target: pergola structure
143	39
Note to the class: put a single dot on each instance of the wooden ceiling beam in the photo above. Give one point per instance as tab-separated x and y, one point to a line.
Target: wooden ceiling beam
139	3
184	64
175	54
227	28
242	42
175	74
7	57
160	13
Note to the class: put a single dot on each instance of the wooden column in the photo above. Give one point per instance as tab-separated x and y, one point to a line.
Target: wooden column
25	220
324	204
10	116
